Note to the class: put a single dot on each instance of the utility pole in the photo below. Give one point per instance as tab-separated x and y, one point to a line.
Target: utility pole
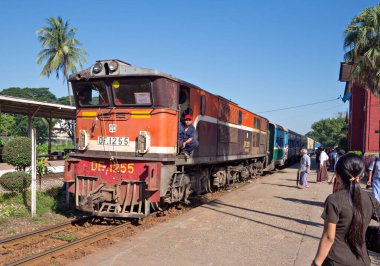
33	168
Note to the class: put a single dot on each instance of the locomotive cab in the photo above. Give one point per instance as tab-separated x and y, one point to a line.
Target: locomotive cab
126	127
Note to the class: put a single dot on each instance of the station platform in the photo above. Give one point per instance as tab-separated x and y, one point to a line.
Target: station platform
267	222
55	166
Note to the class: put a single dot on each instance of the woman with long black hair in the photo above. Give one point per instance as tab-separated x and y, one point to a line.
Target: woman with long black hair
347	215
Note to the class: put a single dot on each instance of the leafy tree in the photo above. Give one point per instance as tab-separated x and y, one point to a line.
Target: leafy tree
329	132
60	50
64	100
7	124
38	94
362	40
21	128
15	181
18	152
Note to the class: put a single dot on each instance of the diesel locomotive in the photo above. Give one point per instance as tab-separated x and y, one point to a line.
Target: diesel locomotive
127	161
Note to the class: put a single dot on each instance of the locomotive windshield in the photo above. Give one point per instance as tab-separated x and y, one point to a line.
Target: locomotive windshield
91	93
132	92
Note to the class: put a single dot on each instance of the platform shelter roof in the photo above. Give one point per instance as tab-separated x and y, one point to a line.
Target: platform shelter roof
15	105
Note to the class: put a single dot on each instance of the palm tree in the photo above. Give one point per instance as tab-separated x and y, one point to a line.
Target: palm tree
362	40
60	50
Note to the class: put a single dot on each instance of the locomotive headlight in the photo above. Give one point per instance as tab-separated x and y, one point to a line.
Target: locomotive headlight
143	142
83	140
113	65
97	67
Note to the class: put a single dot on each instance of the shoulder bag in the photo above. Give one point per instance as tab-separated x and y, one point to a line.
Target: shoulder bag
372	235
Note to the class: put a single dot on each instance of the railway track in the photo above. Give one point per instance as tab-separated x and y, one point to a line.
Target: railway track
42	247
37	247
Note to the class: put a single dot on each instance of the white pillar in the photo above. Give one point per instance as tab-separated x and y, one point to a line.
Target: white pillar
33	168
30	119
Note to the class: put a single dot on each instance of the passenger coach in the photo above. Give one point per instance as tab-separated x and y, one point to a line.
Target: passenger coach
278	146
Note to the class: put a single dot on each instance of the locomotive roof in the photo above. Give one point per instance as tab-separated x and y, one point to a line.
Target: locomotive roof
125	69
293	132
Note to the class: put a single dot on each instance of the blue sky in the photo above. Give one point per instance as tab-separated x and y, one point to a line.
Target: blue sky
262	55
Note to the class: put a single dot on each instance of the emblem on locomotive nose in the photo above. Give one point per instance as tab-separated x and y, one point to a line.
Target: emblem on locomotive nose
112	128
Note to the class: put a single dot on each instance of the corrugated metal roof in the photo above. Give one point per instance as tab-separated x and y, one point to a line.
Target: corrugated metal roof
15	105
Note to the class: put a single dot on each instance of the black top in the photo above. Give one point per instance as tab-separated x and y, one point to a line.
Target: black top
338	210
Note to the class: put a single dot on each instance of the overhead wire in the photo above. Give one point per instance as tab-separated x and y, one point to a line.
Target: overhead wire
300	106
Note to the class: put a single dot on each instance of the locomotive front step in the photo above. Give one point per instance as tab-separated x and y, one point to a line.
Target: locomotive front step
124	200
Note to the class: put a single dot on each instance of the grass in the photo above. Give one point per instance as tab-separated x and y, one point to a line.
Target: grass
13	204
66	237
39	219
10	232
12	209
43	148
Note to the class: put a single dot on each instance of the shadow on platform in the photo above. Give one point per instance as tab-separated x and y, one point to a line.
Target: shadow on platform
215	203
280	185
308	202
294	180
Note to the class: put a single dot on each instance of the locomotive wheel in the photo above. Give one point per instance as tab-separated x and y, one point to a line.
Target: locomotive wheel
159	206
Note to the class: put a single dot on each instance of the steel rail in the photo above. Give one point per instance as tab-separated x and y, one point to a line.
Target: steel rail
34	259
47	229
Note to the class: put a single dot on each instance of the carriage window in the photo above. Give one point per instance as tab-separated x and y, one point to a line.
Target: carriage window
256	139
91	93
132	92
256	123
165	93
265	126
203	104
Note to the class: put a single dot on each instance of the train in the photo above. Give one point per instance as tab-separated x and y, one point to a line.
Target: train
126	163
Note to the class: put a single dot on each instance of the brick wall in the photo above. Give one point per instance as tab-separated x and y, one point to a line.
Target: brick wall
364	120
357	118
372	123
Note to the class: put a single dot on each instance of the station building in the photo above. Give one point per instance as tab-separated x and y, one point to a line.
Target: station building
364	114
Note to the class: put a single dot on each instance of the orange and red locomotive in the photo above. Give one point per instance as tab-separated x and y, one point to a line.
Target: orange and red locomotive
127	124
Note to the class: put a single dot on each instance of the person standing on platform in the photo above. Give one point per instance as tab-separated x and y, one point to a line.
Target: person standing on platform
322	174
347	214
333	157
304	169
317	155
374	178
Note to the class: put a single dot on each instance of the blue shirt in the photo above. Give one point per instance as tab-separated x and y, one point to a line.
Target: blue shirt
333	155
185	135
375	170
